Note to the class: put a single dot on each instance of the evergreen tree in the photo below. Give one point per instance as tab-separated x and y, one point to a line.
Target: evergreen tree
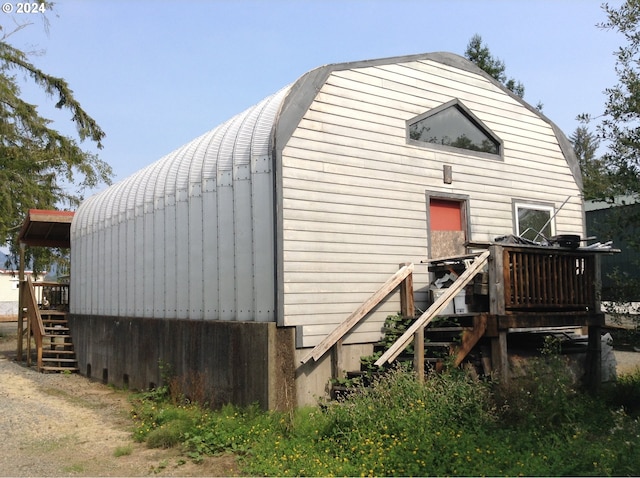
40	167
595	178
620	126
619	129
479	53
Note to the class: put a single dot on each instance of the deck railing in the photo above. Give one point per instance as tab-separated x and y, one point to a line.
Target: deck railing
544	280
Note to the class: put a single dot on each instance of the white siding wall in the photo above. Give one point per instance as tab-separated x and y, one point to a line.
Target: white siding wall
354	190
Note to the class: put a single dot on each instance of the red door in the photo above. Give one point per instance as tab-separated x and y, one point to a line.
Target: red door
447	235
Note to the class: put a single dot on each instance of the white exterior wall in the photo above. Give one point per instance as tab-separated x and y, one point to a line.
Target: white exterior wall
353	189
190	236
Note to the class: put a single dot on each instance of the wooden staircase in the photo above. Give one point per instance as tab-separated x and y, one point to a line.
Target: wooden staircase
58	354
47	325
448	341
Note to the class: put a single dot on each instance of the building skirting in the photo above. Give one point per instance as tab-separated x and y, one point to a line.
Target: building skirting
226	362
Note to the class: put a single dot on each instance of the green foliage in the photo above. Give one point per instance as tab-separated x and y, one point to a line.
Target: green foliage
453	424
595	178
625	394
124	450
543	396
38	163
479	53
619	125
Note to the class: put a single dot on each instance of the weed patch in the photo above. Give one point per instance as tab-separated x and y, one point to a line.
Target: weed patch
452	424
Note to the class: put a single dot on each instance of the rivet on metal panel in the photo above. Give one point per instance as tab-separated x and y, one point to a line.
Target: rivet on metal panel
196	189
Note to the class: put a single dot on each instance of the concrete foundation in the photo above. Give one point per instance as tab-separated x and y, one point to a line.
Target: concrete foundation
220	361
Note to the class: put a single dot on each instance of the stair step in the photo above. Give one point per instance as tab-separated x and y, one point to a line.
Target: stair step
57	352
51	312
52	322
438	344
59	360
48	368
456	328
56	328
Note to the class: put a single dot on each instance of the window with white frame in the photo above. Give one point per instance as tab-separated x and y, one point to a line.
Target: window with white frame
534	221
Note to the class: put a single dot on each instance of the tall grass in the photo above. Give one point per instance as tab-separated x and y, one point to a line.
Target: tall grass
453	424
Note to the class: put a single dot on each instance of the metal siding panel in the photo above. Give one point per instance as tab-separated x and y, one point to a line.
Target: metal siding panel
226	254
244	273
114	299
169	285
182	249
138	274
121	274
76	301
108	270
159	263
210	253
148	270
196	264
93	280
263	246
130	271
101	278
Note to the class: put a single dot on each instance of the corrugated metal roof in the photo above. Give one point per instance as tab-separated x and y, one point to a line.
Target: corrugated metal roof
201	164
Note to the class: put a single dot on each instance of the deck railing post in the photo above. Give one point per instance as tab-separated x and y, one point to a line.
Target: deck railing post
499	356
418	353
21	285
497	280
407	304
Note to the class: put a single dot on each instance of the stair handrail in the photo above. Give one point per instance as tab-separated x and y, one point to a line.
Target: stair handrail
35	319
401	343
345	327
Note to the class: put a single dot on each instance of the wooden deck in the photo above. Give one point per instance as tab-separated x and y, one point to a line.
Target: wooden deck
511	288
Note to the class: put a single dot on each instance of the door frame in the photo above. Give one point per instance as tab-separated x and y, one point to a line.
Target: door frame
463	199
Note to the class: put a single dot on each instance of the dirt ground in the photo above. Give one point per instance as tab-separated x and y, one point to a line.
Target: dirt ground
66	425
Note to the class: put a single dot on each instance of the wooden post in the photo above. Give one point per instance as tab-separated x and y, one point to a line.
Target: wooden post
418	353
499	356
407	304
496	280
337	368
21	285
593	364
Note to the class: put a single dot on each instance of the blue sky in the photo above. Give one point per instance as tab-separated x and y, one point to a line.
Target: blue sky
156	74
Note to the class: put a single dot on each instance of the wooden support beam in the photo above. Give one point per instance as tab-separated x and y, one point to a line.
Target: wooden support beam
351	321
471	337
337	366
593	364
499	356
442	301
418	353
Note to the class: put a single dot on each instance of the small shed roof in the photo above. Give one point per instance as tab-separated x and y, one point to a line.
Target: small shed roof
46	228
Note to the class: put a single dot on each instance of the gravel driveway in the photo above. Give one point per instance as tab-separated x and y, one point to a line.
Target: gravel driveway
66	425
